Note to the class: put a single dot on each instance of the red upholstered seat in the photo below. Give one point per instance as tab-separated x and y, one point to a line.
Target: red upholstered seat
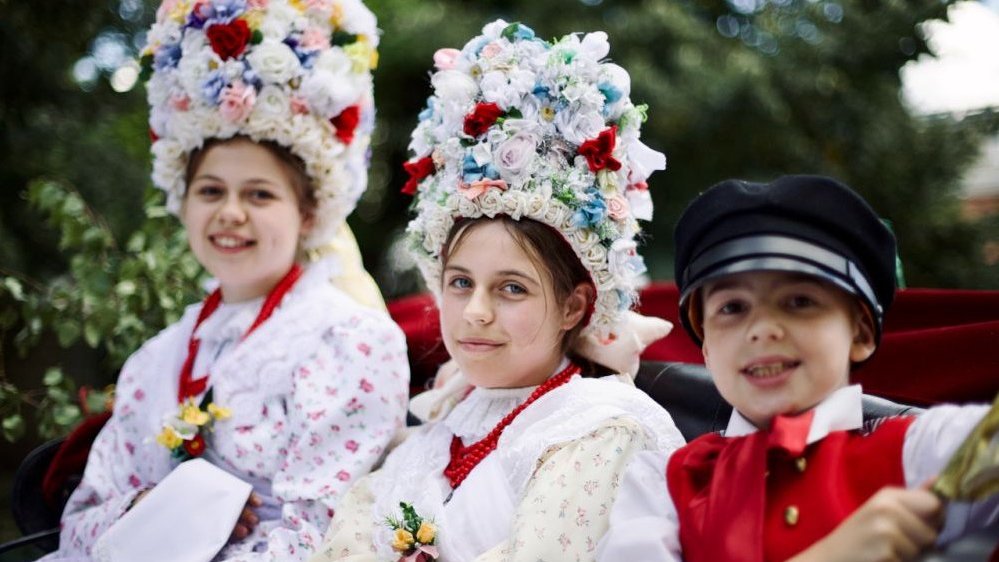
939	344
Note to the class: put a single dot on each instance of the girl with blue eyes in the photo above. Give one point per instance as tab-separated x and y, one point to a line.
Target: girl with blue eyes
523	448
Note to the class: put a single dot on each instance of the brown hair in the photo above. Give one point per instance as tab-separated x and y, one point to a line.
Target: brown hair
294	168
547	250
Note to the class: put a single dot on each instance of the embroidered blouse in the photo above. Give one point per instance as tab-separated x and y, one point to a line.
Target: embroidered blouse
543	494
316	393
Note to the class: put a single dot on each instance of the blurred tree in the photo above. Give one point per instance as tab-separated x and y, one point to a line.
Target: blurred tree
736	88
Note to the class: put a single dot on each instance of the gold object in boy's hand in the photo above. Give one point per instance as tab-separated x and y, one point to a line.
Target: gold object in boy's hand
973	471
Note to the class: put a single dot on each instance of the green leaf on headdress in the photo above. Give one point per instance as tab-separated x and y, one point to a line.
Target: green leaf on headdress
567	196
145	67
256	37
510	31
514	113
341	38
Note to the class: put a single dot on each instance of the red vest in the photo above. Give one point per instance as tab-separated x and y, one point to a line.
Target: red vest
805	499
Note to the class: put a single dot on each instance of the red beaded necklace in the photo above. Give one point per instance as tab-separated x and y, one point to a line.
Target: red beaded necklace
464	459
192	387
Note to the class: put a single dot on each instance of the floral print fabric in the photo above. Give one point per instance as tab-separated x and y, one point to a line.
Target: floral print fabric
316	393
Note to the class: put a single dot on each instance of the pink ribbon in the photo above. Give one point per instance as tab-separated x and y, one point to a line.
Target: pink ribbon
472	190
417	555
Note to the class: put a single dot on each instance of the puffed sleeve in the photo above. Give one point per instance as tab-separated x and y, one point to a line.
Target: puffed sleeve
643	523
121	464
349	538
565	510
930	442
346	403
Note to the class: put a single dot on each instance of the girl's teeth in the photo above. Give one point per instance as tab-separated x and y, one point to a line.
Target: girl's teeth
228	242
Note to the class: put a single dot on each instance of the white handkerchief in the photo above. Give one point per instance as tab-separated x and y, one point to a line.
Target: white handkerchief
188	517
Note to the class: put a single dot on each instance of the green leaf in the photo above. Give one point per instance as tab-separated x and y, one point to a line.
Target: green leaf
91	334
14	288
52	377
13	427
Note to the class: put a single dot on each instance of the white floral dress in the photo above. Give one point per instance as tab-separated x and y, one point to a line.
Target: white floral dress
544	494
316	393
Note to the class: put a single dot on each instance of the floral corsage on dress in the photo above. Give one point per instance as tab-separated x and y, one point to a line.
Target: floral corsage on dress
413	536
184	432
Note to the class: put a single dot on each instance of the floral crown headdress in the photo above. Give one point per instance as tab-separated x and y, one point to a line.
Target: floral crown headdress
542	130
295	72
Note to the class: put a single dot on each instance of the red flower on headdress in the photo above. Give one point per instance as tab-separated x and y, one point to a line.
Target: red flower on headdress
229	40
153	137
417	171
481	118
346	122
598	151
195	446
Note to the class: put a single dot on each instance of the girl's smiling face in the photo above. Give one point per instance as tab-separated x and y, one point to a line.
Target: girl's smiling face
779	343
500	319
243	218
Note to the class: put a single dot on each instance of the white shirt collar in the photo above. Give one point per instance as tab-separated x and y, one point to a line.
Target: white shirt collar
843	410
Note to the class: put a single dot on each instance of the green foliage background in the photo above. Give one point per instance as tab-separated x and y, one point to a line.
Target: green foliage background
92	266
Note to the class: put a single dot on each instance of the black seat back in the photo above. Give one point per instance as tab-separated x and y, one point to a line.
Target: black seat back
686	391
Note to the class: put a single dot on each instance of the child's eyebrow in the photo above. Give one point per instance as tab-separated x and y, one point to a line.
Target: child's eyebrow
501	273
721	286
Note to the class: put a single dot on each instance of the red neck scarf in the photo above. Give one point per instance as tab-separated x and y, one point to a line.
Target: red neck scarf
465	458
190	387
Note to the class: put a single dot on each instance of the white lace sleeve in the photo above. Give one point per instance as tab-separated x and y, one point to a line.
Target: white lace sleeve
349	537
643	523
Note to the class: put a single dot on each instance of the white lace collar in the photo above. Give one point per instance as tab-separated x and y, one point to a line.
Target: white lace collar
230	321
479	412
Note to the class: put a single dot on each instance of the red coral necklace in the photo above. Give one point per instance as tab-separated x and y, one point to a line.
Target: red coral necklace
464	459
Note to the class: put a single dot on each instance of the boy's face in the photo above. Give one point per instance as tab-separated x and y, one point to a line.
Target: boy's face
778	342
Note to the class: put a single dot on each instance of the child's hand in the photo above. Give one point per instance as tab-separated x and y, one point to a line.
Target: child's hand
247	519
895	524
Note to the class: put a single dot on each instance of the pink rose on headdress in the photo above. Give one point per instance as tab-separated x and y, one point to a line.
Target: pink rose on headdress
180	102
617	207
599	151
514	154
257	4
298	105
314	39
236	101
472	190
229	40
491	50
481	118
444	59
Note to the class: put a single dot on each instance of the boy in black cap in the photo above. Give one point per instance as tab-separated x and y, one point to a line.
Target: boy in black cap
784	286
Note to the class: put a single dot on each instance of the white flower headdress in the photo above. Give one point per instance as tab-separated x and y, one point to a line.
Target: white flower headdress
522	127
295	72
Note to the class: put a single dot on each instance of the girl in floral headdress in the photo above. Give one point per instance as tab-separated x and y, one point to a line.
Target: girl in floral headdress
289	378
529	178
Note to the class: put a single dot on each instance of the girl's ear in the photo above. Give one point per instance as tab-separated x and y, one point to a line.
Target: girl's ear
862	346
576	305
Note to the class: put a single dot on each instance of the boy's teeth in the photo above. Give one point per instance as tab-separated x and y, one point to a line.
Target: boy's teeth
767	370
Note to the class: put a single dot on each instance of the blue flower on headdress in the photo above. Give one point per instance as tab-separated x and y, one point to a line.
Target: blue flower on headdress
610	92
213	86
216	11
167	56
471	171
428	111
592	211
306	57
